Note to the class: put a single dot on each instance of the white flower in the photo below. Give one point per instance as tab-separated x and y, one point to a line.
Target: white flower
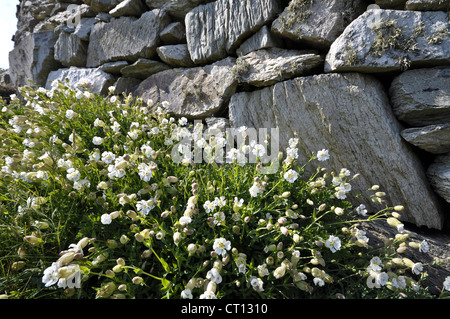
259	150
257	284
208	295
375	264
399	282
145	172
293	142
221	245
424	247
183	121
113	99
417	268
262	270
334	243
447	283
145	206
70	114
186	294
106	219
73	174
323	155
377	279
147	150
219	218
290	176
115	127
202	143
361	210
108	157
209	206
255	190
51	275
319	282
185	220
133	134
214	276
340	194
97	140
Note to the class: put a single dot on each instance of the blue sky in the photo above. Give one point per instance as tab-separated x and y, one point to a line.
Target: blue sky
8	23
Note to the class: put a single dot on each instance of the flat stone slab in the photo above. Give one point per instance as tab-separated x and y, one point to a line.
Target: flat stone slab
96	80
216	29
269	66
432	138
439	175
422	96
126	38
195	93
391	40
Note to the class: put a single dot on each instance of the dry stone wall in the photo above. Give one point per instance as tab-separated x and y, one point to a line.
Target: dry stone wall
368	80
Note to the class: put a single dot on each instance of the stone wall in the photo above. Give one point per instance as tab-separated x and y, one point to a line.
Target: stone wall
367	80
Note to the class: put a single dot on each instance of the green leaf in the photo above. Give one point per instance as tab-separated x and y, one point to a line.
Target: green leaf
162	261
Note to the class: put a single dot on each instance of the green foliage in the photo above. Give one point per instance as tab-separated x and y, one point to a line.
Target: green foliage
93	205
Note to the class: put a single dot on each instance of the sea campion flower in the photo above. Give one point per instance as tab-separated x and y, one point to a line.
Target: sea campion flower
73	174
333	243
323	155
447	283
221	245
290	176
145	206
51	275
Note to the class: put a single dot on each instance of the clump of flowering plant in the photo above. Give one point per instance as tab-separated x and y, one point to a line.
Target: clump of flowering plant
96	206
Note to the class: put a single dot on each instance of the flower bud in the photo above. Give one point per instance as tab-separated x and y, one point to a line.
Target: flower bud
398	208
83	242
110	274
137	280
124	239
106	290
18	265
66	258
139	237
32	239
146	253
177	237
122	287
117	268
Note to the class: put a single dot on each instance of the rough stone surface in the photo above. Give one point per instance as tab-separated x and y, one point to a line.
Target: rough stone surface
176	55
174	33
389	40
422	96
309	107
126	85
143	68
126	38
33	58
129	8
391	4
176	8
263	39
216	29
70	50
96	80
269	66
192	92
439	176
432	138
83	28
316	23
431	5
102	5
114	67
